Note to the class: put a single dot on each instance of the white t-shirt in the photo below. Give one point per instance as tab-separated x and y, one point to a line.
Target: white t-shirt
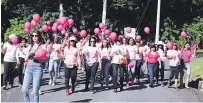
10	55
20	53
176	61
117	53
54	55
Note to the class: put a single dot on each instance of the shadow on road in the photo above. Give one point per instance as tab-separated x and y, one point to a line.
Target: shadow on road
53	90
85	100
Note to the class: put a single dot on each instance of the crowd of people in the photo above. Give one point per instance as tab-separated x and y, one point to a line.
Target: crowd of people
125	60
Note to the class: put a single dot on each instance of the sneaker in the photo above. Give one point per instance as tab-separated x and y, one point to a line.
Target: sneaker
53	84
4	87
127	84
132	82
67	92
50	82
40	92
19	85
187	87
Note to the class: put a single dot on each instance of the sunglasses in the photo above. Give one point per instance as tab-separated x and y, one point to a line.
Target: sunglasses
92	41
34	35
72	41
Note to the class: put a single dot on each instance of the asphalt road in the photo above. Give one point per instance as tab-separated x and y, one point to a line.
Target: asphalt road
134	93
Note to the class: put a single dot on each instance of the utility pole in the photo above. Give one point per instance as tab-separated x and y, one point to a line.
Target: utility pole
104	14
158	21
61	10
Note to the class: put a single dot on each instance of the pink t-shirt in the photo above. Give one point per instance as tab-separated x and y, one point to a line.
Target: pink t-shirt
92	54
71	55
105	53
153	58
186	55
131	52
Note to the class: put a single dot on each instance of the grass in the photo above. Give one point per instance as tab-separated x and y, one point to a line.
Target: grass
197	69
200	51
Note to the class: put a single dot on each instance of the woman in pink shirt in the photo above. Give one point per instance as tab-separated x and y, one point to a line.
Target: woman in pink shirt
71	64
131	55
105	62
92	63
151	61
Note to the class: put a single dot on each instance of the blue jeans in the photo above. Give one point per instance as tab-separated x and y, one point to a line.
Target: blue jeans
152	71
53	69
32	74
105	65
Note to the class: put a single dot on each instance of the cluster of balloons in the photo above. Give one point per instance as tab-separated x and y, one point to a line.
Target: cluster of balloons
34	23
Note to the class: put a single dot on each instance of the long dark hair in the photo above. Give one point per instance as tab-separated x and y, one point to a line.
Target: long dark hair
162	47
92	37
120	40
129	41
39	38
107	45
23	39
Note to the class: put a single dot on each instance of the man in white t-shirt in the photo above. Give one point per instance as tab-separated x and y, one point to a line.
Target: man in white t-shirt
9	51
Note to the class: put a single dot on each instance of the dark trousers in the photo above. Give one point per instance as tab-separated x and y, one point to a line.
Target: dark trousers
105	65
160	71
121	68
138	68
9	72
20	70
70	73
173	69
91	72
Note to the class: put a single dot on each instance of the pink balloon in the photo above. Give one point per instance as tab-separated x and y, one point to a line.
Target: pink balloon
56	24
75	31
54	28
71	22
169	45
183	34
101	25
27	30
128	29
97	31
63	31
67	34
27	25
34	23
147	30
66	24
113	36
36	17
40	53
138	37
83	33
63	20
45	28
107	32
60	27
131	65
48	23
49	27
14	40
104	28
